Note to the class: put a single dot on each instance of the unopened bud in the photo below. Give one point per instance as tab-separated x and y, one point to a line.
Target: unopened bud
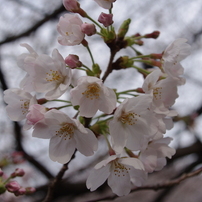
73	61
88	29
153	35
124	28
18	172
12	186
30	190
20	191
106	19
71	5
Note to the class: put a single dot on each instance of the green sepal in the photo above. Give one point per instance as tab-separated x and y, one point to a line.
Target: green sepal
90	73
97	71
108	35
76	107
2	188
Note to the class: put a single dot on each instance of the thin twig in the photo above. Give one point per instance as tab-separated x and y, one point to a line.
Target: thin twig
33	28
56	180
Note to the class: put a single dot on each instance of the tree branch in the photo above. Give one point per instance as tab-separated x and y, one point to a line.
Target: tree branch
35	26
56	180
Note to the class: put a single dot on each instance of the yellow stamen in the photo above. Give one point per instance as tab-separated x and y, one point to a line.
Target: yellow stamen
129	118
92	92
54	76
66	131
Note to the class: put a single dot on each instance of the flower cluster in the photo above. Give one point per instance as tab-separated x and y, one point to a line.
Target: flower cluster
134	126
7	184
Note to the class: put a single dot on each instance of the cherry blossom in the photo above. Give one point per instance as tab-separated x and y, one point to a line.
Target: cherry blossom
119	172
177	51
107	4
172	56
35	114
18	102
131	124
174	71
69	26
45	74
65	136
154	156
164	91
90	94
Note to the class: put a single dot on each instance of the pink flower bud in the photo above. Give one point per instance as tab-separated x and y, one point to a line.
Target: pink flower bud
13	186
153	35
35	114
19	172
73	61
106	19
30	190
71	5
20	191
88	29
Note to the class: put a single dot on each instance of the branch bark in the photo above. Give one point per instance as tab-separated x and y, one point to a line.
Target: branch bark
35	26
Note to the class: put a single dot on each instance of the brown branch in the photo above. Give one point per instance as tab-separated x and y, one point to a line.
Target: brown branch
18	137
56	180
158	186
35	26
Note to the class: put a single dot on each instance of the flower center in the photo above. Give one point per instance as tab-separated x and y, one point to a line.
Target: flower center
129	118
157	93
92	92
54	76
120	169
66	131
68	33
24	106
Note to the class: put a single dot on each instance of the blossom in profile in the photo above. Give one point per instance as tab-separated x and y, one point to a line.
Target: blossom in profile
18	102
69	26
107	4
45	74
172	56
119	173
177	51
66	135
154	156
91	95
164	91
